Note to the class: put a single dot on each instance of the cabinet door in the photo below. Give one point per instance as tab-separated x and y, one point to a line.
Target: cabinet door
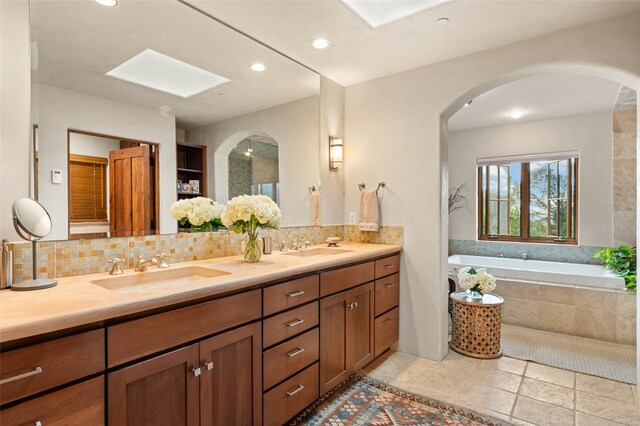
333	341
161	391
360	327
231	380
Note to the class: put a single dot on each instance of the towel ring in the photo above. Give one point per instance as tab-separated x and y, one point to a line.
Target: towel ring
362	186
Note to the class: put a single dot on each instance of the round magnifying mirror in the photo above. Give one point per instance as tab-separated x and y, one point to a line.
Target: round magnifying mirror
32	222
31	218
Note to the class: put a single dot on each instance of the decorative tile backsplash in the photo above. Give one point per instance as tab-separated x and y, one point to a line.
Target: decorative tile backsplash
58	259
548	252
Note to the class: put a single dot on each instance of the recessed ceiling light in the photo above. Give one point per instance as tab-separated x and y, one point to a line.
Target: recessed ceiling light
442	21
377	13
161	72
320	43
258	67
516	114
108	3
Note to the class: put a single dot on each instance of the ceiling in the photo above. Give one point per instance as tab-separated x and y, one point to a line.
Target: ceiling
261	146
359	52
79	41
540	97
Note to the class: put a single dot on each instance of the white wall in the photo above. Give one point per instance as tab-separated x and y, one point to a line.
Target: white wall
331	124
294	126
61	109
591	135
395	133
15	128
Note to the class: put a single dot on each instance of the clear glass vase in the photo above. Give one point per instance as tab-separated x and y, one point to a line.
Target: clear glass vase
473	294
252	249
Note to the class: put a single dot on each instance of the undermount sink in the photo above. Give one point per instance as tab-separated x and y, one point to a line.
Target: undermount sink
317	252
158	279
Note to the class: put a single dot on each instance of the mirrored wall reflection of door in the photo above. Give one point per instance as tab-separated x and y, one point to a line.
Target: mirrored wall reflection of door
112	186
253	168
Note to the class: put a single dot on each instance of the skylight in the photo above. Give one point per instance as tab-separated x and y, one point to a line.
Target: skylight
161	72
377	13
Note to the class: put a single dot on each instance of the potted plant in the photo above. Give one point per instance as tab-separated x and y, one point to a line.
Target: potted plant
198	214
247	214
622	261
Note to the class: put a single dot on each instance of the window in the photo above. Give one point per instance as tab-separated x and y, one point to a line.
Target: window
87	189
528	199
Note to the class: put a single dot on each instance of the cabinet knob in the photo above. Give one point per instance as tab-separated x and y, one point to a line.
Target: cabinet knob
197	371
38	423
208	366
387	285
352	305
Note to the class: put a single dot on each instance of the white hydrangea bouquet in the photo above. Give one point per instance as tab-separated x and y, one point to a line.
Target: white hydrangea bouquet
248	214
476	282
201	214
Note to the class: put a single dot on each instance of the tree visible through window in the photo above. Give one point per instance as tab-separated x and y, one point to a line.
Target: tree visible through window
534	201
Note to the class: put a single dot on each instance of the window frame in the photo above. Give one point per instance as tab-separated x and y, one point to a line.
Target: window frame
524	237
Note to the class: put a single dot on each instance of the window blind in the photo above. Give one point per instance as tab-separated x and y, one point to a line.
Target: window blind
87	188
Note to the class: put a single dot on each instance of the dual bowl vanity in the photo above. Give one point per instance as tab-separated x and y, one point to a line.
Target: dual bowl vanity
211	342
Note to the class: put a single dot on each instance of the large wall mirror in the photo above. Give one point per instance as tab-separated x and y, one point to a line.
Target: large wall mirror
145	103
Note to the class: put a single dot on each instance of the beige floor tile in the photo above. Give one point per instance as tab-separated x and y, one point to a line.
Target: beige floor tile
440	382
551	374
488	397
548	392
541	413
510	365
484	411
583	419
610	409
605	387
496	378
393	370
518	422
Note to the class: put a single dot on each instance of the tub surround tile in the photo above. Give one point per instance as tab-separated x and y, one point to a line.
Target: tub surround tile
596	324
626	329
523	290
557	293
596	298
626	303
557	318
520	312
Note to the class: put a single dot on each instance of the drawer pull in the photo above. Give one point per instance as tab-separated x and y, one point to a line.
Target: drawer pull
388	321
387	285
294	323
208	366
295	352
197	371
295	391
352	305
33	372
388	266
295	293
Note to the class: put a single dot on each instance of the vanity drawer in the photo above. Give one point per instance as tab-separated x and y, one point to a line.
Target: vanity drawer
387	293
78	405
145	336
290	323
387	266
387	330
290	357
290	294
344	278
51	364
288	399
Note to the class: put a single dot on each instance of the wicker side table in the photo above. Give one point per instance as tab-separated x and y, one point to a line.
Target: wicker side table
476	325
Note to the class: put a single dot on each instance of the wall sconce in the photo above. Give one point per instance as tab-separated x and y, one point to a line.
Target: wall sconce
335	152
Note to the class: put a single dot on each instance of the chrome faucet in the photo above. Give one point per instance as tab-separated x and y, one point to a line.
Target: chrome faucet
162	260
300	244
142	264
525	256
116	266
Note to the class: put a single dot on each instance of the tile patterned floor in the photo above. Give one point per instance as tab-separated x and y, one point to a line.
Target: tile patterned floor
519	392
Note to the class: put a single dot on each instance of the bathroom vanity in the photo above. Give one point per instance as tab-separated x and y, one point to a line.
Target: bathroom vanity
254	344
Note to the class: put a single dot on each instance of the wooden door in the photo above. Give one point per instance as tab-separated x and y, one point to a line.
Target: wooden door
231	380
334	366
158	392
360	327
131	192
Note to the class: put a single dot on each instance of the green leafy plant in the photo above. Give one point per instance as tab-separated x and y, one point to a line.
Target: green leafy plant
622	261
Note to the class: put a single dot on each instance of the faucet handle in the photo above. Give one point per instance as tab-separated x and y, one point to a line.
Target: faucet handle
116	266
163	260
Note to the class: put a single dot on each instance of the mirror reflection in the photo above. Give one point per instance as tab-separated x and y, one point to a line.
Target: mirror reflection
135	107
253	168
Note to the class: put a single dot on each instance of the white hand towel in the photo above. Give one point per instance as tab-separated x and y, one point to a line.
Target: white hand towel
315	208
368	220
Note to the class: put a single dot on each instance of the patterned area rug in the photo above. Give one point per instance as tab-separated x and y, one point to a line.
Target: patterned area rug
363	401
589	356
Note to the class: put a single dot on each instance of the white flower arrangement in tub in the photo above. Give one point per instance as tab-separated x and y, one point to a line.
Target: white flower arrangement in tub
476	282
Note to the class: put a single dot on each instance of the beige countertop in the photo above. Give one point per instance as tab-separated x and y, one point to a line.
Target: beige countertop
75	301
